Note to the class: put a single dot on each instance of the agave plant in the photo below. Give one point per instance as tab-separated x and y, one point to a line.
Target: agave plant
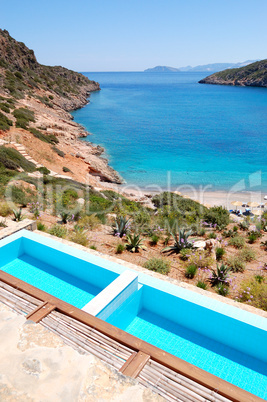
220	275
17	215
180	241
134	243
121	226
65	216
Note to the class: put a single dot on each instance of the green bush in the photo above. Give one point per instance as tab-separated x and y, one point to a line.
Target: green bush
222	290
185	254
43	170
19	196
202	285
66	169
79	237
237	242
49	138
253	292
5	123
12	159
220	275
253	236
41	226
218	216
4	107
5	210
120	248
191	271
58	151
158	265
154	240
247	254
219	253
23	117
58	230
236	263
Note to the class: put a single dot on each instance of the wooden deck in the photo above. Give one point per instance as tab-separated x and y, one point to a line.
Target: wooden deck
169	376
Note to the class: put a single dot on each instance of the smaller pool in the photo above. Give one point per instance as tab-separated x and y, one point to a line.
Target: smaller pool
72	278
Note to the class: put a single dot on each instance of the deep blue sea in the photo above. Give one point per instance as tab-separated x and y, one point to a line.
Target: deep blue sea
165	129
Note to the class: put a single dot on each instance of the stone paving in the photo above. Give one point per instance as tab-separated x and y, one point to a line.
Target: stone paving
35	365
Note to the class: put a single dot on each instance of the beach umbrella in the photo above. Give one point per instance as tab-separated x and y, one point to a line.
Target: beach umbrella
253	204
257	212
237	204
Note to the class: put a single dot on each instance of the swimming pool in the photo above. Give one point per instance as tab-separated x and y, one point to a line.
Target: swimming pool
219	338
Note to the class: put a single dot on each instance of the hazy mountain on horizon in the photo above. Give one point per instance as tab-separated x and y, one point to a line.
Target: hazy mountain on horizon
206	67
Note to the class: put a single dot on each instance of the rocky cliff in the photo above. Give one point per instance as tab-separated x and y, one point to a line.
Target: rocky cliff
35	101
254	75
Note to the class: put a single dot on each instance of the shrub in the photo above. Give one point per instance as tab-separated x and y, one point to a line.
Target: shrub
237	242
235	228
58	230
134	243
89	222
202	285
23	117
219	253
4	107
201	259
49	138
43	170
154	240
222	290
93	247
185	254
259	278
218	216
58	151
253	236
12	159
5	210
120	248
41	226
158	265
65	216
220	275
212	235
66	169
190	271
202	232
247	254
79	237
244	225
254	293
236	264
5	123
19	196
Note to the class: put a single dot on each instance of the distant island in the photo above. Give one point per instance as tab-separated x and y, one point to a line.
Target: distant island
254	75
162	69
202	68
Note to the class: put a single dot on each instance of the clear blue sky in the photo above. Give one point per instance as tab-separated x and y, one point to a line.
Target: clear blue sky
131	35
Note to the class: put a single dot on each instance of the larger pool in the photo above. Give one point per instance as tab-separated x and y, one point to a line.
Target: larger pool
222	339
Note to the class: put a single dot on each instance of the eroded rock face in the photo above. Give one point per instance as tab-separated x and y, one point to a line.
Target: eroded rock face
35	365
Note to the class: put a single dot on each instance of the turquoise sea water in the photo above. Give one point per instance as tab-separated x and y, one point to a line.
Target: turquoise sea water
166	129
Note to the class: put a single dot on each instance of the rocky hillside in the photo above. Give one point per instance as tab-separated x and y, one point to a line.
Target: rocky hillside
21	74
254	75
35	101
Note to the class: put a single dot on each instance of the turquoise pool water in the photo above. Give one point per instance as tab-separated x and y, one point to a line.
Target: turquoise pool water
212	356
219	338
52	280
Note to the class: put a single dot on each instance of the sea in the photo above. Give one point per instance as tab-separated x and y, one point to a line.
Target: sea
167	131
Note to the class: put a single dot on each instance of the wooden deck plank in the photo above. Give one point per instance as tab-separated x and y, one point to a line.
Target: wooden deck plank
172	362
40	312
135	364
